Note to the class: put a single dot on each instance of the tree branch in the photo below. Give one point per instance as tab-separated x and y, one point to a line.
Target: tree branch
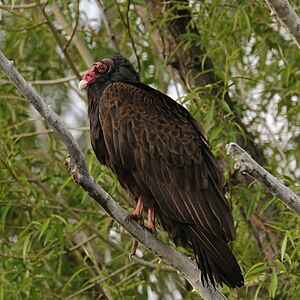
287	17
18	6
246	164
81	175
47	81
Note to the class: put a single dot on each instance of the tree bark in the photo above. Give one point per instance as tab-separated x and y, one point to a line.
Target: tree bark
287	17
246	164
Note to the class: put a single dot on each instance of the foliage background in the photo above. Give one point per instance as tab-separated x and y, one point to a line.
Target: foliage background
53	239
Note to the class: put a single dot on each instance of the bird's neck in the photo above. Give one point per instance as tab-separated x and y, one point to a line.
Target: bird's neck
94	94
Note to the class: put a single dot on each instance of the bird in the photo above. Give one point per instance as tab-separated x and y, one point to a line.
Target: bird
161	155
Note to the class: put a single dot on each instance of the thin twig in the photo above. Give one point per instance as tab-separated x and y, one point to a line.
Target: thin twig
126	24
18	6
75	28
107	26
92	237
84	52
47	81
59	42
46	131
10	29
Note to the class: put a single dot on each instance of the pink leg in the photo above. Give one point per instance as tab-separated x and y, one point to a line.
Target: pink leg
150	226
151	220
138	210
139	207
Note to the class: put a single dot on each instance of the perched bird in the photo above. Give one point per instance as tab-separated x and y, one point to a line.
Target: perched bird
160	153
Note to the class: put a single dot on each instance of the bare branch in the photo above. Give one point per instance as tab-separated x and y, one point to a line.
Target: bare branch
246	164
47	81
80	173
287	17
126	24
18	6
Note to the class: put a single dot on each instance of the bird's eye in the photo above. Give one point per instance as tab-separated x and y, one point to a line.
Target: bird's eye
101	68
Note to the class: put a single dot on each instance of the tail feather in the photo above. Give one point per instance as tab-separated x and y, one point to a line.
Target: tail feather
214	259
213	256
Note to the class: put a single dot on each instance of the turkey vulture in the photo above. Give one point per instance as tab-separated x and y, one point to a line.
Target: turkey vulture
161	155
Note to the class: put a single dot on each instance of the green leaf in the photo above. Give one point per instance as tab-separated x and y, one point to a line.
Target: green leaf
225	106
74	276
60	218
257	291
280	265
4	213
44	227
26	245
273	283
283	246
256	270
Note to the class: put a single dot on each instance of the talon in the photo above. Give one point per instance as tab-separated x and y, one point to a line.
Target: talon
136	215
151	221
132	216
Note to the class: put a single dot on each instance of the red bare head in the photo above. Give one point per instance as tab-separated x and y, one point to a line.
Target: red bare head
99	68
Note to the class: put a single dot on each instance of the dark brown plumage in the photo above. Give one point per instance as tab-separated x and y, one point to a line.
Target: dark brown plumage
160	154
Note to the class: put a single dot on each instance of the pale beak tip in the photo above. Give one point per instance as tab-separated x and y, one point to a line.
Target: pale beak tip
82	84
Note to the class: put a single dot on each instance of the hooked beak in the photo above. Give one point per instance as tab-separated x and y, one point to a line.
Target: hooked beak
82	84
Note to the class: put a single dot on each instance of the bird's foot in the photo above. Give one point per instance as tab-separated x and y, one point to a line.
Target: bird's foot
136	215
133	216
151	221
151	228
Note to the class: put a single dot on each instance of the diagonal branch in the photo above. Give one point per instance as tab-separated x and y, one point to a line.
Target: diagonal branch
246	164
81	174
287	17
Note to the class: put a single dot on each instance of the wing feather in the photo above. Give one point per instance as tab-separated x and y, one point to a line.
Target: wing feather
165	149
